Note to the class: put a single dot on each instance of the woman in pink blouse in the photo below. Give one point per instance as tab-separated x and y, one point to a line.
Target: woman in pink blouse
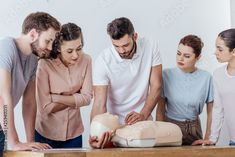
63	85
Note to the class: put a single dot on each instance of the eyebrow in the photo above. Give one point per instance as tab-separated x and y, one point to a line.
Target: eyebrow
219	46
184	53
122	45
79	46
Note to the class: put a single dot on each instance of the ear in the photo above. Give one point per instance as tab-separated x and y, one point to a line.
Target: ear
233	52
135	36
199	57
33	34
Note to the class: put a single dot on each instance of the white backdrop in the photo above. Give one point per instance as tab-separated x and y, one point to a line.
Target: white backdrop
166	20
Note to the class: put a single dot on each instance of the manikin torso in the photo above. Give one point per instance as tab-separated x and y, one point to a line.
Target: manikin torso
140	134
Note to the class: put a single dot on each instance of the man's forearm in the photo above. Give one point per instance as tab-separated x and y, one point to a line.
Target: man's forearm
29	115
151	101
7	119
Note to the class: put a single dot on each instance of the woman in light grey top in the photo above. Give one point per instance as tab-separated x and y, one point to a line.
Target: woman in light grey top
224	89
185	91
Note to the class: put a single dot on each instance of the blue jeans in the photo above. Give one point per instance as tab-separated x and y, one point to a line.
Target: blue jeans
72	143
2	140
231	143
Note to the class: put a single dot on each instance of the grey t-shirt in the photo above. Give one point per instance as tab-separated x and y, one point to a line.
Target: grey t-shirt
22	67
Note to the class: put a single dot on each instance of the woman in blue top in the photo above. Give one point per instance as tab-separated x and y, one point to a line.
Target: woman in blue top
185	91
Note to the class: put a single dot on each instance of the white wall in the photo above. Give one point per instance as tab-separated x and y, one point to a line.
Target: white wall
166	20
232	5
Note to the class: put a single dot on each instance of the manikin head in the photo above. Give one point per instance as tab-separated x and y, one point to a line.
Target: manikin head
103	123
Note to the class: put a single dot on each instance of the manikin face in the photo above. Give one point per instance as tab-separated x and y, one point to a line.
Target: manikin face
103	123
43	44
125	45
185	58
222	52
70	51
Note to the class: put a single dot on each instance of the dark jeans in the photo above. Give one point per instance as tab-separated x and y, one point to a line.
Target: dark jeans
191	130
72	143
2	140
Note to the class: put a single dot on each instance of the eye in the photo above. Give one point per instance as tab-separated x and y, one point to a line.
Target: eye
187	56
178	53
78	49
47	41
69	51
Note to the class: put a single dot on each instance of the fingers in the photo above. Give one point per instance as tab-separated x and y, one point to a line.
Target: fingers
203	143
94	141
102	142
128	117
197	142
133	117
31	146
38	146
106	140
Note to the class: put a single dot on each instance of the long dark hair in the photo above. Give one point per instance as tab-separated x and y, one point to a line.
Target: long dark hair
228	36
68	32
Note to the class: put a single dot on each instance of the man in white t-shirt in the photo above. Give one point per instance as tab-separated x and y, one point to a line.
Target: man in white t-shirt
127	78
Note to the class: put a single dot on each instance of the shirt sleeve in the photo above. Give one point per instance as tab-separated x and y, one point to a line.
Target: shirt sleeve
217	115
43	96
6	56
210	96
156	57
100	76
84	97
163	84
33	76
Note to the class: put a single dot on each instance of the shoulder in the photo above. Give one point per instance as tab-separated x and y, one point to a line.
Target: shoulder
169	71
44	62
219	71
7	46
204	73
147	42
105	55
7	41
87	58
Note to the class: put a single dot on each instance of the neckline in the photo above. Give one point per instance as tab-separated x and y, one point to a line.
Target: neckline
226	72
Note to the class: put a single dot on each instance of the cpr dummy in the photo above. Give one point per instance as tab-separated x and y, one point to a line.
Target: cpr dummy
140	134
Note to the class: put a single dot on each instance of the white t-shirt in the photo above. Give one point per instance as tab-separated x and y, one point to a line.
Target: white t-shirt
128	79
224	103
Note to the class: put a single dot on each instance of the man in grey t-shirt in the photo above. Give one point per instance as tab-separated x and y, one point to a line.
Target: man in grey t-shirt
18	63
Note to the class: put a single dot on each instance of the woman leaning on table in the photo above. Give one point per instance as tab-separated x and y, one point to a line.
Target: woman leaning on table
224	88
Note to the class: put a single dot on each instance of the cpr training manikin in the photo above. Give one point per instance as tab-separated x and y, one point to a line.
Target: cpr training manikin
140	134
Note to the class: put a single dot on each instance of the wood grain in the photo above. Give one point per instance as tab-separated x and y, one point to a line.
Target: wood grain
192	151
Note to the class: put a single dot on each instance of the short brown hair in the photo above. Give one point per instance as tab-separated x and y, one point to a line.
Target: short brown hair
194	42
119	27
40	21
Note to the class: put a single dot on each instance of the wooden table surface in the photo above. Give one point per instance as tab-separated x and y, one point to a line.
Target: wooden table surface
192	151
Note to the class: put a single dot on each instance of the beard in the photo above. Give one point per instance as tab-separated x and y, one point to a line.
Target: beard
130	54
36	50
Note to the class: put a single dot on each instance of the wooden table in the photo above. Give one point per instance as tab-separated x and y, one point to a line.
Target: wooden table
191	151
